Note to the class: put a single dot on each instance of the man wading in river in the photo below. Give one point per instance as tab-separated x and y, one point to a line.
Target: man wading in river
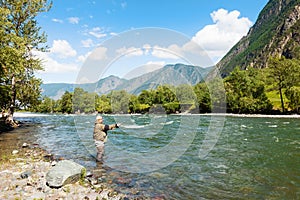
100	135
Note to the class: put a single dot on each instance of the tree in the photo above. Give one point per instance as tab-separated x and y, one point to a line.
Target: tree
89	102
147	97
20	36
285	75
164	94
171	107
29	93
293	94
46	105
119	101
203	97
185	94
292	91
83	101
65	103
245	92
217	94
187	99
102	104
136	107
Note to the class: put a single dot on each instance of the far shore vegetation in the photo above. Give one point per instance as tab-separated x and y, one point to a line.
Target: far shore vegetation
274	90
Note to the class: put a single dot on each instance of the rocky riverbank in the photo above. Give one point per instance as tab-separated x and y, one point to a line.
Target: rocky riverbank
23	176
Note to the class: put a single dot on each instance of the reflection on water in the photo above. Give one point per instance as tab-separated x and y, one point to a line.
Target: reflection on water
254	158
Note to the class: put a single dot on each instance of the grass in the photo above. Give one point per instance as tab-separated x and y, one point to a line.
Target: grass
274	97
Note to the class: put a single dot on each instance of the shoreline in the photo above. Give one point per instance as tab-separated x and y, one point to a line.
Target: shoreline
30	114
293	116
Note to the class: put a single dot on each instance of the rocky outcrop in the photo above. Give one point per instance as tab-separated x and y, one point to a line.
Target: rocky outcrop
290	35
63	173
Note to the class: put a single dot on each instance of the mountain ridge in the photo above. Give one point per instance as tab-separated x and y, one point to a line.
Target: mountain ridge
172	74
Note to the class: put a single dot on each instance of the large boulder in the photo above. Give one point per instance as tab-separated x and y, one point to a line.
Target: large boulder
64	172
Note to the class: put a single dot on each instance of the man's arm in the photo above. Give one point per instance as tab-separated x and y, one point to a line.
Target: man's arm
110	127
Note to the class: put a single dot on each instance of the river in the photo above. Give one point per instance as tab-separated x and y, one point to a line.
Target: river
179	156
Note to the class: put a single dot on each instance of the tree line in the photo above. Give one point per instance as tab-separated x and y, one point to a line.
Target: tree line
243	91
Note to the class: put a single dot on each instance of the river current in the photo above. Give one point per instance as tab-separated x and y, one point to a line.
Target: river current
180	156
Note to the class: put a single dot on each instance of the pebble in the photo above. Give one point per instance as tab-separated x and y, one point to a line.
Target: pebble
49	156
15	152
25	145
92	181
25	174
89	174
53	163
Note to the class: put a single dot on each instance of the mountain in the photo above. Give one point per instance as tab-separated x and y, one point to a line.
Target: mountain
56	90
174	74
103	86
170	74
275	33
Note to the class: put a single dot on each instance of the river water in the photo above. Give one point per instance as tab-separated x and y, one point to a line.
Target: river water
180	156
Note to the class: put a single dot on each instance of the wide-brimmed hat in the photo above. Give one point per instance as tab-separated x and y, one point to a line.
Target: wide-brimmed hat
99	117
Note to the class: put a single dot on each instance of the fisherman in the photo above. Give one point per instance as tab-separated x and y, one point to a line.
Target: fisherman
100	135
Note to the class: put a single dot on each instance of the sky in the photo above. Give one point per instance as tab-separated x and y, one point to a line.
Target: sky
92	39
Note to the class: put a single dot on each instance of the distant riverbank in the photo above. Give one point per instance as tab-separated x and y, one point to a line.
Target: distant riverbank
31	114
253	115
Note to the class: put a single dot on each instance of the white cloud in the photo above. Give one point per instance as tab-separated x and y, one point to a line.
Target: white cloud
227	30
52	60
87	43
82	58
146	49
62	49
213	41
131	51
58	20
157	63
99	53
83	80
97	32
165	53
51	65
113	34
176	49
73	20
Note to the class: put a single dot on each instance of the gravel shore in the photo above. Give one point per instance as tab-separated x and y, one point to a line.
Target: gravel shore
23	176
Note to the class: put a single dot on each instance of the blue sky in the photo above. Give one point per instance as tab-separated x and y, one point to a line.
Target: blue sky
77	28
